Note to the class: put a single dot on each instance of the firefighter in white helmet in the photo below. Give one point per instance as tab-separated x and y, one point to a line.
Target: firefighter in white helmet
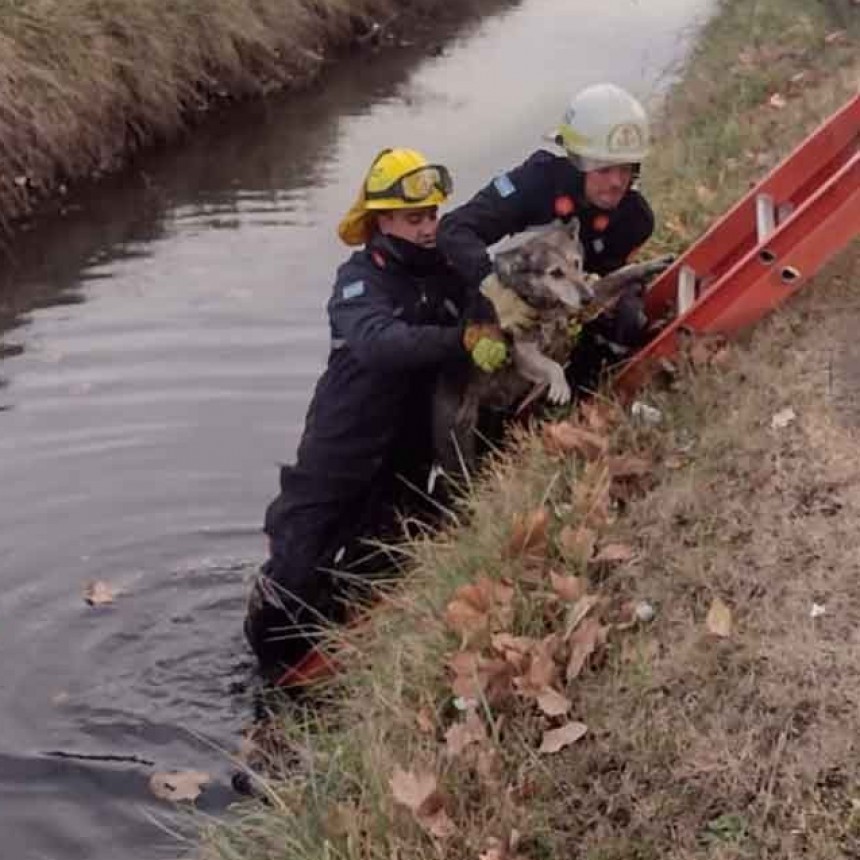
604	135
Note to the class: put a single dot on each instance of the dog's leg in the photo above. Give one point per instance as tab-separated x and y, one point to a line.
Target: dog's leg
610	286
531	363
455	414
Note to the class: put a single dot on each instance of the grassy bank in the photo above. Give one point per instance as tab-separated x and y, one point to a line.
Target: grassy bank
85	83
642	641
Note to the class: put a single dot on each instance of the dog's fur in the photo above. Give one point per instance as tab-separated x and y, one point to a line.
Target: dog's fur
545	270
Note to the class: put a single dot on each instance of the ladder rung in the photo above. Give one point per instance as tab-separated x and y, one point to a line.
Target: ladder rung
765	216
686	289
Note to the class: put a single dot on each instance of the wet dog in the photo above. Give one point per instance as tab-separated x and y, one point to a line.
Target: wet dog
543	270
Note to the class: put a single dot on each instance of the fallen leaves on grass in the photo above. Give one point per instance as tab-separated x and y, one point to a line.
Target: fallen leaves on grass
577	544
563	437
552	702
418	791
555	740
569	588
476	605
99	593
583	642
178	785
614	553
528	533
476	677
719	619
461	735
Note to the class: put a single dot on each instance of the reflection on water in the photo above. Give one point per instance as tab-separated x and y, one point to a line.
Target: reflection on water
159	345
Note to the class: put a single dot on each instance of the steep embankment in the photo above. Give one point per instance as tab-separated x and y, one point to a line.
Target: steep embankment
85	83
642	642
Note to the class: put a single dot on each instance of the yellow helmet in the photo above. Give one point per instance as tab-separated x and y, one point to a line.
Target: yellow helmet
397	179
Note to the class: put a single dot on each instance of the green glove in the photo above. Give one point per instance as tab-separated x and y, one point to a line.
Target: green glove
489	354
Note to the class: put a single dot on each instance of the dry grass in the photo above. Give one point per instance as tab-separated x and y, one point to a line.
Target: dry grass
698	746
84	83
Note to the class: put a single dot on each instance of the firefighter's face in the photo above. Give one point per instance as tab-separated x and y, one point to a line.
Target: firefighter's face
414	225
605	187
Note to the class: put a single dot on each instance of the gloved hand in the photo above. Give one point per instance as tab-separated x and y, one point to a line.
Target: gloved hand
486	345
512	312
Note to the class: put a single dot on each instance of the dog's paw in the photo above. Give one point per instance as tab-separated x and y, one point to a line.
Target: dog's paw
559	391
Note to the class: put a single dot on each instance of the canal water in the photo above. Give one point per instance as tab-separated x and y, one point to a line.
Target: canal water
159	342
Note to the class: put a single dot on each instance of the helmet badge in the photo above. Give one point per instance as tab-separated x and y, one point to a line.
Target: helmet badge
625	137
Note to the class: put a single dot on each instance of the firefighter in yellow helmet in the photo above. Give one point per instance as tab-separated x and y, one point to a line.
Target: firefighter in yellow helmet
397	316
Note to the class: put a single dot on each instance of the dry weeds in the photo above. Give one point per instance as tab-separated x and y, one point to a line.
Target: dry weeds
85	83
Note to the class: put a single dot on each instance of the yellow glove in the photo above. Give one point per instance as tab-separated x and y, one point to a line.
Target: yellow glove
512	312
486	345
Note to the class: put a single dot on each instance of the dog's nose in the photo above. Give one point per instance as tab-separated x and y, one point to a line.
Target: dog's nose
587	295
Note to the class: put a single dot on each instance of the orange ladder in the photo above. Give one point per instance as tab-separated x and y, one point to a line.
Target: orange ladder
764	249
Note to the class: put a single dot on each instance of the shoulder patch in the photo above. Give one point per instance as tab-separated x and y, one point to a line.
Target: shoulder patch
504	185
353	290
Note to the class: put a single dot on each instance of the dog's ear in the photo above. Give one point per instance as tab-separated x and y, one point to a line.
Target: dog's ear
573	229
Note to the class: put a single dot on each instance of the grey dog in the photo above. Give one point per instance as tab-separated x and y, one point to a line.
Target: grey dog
545	271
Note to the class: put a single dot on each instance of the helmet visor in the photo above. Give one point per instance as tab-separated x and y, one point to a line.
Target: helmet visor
417	185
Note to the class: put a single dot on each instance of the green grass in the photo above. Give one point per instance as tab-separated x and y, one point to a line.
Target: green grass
698	747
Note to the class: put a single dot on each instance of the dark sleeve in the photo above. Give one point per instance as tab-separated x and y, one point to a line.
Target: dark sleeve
630	228
509	204
363	320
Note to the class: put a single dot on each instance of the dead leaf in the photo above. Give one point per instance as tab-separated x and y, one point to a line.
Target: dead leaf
577	544
719	619
488	766
460	735
557	739
542	670
837	37
476	677
178	785
463	618
629	466
98	593
583	643
502	849
614	553
514	649
528	533
570	588
578	612
777	101
600	416
426	721
563	437
553	703
419	793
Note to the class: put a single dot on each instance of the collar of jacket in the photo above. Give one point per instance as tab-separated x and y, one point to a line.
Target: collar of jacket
394	254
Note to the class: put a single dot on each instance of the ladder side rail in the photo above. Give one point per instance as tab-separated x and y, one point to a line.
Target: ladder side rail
827	222
817	157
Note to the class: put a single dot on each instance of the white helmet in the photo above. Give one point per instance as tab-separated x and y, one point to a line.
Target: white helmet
604	125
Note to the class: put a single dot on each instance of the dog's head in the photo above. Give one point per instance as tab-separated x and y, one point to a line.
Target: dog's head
545	268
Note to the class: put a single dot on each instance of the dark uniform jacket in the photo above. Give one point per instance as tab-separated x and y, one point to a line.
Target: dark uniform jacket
394	316
543	188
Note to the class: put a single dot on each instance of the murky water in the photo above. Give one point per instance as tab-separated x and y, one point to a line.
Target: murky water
159	345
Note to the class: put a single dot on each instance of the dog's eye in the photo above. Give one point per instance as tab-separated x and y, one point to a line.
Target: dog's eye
556	273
